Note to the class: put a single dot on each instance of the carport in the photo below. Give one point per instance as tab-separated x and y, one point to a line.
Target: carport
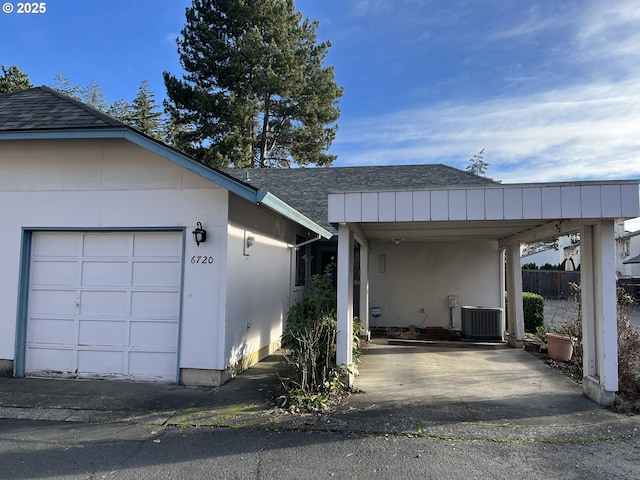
498	218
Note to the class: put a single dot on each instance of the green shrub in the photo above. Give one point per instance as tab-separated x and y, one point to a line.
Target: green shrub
533	309
310	341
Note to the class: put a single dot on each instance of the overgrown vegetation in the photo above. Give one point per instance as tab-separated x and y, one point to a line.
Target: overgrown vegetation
315	380
533	310
628	397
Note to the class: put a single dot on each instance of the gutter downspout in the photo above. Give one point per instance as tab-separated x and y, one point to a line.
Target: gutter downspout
306	242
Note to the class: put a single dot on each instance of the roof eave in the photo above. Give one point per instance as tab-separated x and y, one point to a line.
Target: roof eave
274	203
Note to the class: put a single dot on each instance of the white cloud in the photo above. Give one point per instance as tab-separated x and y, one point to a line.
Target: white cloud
585	129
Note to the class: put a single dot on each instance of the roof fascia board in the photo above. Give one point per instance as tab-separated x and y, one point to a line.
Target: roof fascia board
268	200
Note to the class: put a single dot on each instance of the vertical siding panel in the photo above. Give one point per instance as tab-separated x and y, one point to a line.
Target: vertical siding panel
570	201
475	205
513	203
369	207
387	206
353	207
404	206
551	202
532	202
611	201
591	201
336	207
630	201
457	205
421	206
495	203
439	205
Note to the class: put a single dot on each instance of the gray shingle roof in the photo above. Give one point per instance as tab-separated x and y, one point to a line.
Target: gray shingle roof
306	189
43	108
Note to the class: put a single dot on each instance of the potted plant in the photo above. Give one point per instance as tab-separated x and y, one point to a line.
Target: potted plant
559	346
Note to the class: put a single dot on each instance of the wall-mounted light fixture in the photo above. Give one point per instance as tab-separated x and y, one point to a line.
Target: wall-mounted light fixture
199	234
250	241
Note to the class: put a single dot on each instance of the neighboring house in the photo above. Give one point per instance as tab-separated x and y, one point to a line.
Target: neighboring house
101	276
628	257
566	252
416	246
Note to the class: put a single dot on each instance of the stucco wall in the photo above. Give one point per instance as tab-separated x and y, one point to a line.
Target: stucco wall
259	278
420	276
114	184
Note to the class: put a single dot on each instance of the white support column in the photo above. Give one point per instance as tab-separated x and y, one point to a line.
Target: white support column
344	354
599	312
364	290
515	320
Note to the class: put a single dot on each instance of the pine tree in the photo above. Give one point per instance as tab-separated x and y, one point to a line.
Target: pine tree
255	92
121	109
13	80
66	86
144	114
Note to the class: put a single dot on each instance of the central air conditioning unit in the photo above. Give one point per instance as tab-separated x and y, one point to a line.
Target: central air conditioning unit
482	323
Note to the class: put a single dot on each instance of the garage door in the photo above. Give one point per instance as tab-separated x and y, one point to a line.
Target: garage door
104	305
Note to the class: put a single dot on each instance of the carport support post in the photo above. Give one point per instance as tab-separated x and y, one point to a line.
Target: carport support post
344	353
599	312
515	320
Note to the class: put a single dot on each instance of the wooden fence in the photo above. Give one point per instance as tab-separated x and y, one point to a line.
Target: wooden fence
553	284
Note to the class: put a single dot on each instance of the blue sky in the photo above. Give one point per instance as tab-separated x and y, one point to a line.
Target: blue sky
550	89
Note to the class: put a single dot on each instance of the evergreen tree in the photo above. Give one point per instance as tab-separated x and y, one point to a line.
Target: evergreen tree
121	109
66	86
13	80
255	92
144	114
94	96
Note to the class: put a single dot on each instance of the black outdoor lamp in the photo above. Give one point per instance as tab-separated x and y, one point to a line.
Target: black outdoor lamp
199	234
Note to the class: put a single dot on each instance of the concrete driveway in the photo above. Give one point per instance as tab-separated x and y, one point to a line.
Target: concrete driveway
466	390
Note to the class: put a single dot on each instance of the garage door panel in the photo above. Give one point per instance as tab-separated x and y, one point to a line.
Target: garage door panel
103	362
51	331
149	245
54	273
52	302
163	364
101	333
50	360
103	303
55	244
152	334
106	273
155	304
155	274
107	245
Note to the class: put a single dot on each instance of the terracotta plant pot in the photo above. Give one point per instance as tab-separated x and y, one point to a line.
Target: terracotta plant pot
559	347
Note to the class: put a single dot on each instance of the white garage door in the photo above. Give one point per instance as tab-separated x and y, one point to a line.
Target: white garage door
104	305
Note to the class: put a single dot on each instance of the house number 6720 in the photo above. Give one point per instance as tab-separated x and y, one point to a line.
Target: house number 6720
201	259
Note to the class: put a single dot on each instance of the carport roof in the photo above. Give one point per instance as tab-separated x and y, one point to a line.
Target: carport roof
515	213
